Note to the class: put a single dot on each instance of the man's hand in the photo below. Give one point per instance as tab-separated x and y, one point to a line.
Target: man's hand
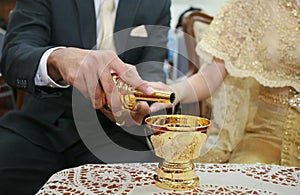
90	72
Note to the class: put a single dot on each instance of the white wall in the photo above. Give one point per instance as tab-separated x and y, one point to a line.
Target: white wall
178	6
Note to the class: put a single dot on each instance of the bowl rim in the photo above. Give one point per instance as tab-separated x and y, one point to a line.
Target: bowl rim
158	127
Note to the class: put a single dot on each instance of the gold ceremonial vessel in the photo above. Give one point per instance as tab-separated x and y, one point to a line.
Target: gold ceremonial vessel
129	96
177	139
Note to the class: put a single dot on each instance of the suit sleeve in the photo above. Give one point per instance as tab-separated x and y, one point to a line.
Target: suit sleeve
26	40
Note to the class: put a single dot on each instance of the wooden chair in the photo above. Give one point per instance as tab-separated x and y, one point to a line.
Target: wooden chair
6	92
7	96
20	98
196	21
19	95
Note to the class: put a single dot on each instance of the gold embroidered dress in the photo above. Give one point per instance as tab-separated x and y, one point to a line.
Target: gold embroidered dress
257	108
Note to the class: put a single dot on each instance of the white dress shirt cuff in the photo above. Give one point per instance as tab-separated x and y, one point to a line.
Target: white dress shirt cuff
42	78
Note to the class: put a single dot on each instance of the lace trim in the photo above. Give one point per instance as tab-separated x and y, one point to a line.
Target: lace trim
240	35
262	77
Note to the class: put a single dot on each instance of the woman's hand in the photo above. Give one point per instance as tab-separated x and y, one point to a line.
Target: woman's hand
155	107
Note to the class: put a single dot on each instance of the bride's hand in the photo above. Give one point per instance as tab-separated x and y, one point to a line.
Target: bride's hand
160	106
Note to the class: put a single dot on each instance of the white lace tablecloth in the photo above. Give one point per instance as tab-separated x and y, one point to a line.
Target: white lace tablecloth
136	178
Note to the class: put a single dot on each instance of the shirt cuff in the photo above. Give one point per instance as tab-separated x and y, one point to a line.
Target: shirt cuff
42	78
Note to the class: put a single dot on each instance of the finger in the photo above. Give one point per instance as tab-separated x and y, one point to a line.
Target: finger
99	98
116	103
140	110
129	75
155	107
79	83
160	86
133	117
145	88
108	114
125	119
103	60
93	88
106	81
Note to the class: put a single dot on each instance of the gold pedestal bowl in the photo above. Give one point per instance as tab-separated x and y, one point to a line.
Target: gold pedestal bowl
177	139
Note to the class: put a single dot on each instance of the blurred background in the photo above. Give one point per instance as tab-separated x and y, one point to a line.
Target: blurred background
179	6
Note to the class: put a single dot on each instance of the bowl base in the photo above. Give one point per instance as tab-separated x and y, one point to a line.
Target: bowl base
176	176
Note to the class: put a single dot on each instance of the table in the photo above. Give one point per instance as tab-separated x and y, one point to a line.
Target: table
136	178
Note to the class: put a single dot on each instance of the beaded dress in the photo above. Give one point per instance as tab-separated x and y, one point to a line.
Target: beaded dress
257	108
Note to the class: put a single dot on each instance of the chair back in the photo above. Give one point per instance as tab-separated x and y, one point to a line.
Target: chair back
7	96
2	33
194	21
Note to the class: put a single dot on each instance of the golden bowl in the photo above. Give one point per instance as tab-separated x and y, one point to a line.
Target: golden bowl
177	139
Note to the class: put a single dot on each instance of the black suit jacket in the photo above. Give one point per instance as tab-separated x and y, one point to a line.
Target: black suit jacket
36	26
